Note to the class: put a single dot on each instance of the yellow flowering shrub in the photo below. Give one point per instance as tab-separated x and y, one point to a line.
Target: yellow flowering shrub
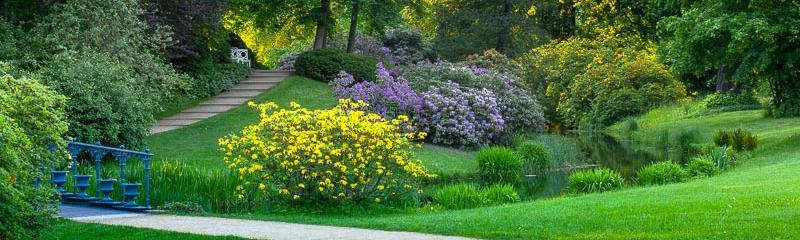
338	155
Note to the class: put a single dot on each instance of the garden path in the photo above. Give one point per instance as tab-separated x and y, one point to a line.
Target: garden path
258	82
253	229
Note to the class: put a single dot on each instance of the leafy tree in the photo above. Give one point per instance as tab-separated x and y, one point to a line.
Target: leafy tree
110	64
592	83
746	42
195	26
465	27
30	124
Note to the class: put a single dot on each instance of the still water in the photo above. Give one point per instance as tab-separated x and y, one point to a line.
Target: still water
582	150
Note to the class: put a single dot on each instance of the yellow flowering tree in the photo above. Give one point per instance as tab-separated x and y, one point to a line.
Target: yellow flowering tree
338	155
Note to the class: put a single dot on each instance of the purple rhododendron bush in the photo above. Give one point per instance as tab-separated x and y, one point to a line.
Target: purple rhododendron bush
458	105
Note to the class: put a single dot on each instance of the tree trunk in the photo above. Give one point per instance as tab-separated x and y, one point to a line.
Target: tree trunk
322	24
505	25
723	84
351	39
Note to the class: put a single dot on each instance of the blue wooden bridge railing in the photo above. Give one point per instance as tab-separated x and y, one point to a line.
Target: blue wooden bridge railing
104	187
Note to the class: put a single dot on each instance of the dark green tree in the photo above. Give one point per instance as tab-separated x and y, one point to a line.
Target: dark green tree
471	26
745	42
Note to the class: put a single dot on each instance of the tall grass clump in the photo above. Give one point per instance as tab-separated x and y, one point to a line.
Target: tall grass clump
738	139
499	165
465	195
594	180
213	189
500	194
536	159
701	166
563	152
723	156
458	196
660	173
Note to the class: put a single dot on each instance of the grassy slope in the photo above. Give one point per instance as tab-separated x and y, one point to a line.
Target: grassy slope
197	144
758	199
73	230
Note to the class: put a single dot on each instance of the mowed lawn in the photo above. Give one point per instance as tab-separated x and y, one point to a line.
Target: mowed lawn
69	230
758	199
197	146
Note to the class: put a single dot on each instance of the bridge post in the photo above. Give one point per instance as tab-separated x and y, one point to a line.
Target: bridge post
97	154
147	161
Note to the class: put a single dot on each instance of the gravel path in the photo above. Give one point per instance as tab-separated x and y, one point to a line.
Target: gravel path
251	228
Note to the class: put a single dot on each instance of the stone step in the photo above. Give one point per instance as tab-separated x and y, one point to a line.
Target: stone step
257	83
253	86
240	94
270	74
271	71
227	101
160	129
265	78
210	108
261	81
188	115
177	122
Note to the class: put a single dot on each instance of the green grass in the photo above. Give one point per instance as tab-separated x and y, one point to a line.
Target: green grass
759	199
66	230
447	161
197	144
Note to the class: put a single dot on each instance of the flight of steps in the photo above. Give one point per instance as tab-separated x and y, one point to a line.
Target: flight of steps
258	82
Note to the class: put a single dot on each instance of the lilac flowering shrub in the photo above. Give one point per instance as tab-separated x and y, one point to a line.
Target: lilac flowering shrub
519	108
387	96
464	106
459	117
367	46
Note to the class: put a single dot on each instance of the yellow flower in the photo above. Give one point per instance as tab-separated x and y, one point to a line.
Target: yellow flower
326	150
295	197
377	200
294	104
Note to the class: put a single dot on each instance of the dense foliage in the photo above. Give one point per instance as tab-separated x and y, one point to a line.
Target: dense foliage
730	102
701	166
337	156
660	173
594	180
595	83
535	157
30	124
104	103
107	61
746	42
387	96
325	65
737	140
461	117
492	101
499	165
463	196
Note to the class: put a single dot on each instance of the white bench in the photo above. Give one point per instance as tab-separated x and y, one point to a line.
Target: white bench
240	55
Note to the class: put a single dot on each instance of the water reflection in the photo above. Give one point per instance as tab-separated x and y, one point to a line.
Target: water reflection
582	150
596	149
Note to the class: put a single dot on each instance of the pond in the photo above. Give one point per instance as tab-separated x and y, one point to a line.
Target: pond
584	150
